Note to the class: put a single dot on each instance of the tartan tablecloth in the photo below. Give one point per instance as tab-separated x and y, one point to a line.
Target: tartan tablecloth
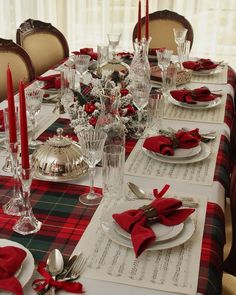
64	221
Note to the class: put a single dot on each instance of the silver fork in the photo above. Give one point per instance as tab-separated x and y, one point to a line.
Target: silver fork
77	269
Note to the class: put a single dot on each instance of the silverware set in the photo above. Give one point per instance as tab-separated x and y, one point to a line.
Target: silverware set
64	271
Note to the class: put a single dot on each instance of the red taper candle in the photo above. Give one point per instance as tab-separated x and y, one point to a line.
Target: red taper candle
147	21
11	108
23	128
139	21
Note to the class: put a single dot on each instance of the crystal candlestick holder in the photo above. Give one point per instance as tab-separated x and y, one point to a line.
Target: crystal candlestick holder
27	224
14	205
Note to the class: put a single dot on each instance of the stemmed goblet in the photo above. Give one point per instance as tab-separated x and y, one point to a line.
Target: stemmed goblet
114	39
140	94
163	59
81	64
91	142
34	97
180	37
27	223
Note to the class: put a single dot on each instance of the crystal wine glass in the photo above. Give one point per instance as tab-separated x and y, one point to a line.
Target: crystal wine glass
163	59
180	37
67	85
81	64
27	224
140	94
92	142
34	97
114	39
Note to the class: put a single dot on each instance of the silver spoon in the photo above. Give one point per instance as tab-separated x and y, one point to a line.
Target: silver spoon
55	265
140	194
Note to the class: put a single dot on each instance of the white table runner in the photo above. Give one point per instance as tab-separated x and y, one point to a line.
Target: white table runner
220	78
212	115
173	270
139	164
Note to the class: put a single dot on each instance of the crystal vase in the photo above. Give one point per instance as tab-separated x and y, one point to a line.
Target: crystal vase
109	120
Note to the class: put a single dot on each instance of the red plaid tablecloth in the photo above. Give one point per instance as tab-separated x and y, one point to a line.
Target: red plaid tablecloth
64	221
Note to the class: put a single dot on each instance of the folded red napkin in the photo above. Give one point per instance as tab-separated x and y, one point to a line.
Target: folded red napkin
2	128
201	64
11	259
87	51
51	81
165	145
193	96
137	221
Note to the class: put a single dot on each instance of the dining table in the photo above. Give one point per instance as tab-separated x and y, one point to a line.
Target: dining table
194	267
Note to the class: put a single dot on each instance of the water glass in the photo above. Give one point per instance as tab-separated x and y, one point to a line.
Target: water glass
155	111
114	40
183	50
103	54
67	85
180	35
113	161
82	63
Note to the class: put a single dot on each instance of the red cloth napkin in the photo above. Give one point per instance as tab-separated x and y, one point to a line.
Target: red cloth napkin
2	127
201	64
136	223
193	96
11	259
51	81
87	51
165	145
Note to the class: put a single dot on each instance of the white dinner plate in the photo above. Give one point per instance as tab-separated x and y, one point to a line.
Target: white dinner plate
214	71
183	153
161	231
25	272
197	106
109	227
202	155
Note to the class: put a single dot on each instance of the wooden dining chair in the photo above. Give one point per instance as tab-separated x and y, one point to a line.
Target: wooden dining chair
161	24
20	64
45	44
230	261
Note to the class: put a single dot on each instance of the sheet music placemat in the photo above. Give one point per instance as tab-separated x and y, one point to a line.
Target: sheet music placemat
211	115
220	78
174	270
139	164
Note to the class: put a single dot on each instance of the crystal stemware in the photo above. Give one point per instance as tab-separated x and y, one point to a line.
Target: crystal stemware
163	59
114	39
81	64
92	142
67	85
34	97
27	223
180	35
140	95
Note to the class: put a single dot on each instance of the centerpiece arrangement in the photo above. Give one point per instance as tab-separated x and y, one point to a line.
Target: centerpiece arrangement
90	109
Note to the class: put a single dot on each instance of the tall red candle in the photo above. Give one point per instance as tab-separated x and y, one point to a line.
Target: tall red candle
11	108
23	128
147	21
139	21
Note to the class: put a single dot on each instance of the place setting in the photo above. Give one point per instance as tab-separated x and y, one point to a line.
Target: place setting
177	147
137	224
203	66
195	99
